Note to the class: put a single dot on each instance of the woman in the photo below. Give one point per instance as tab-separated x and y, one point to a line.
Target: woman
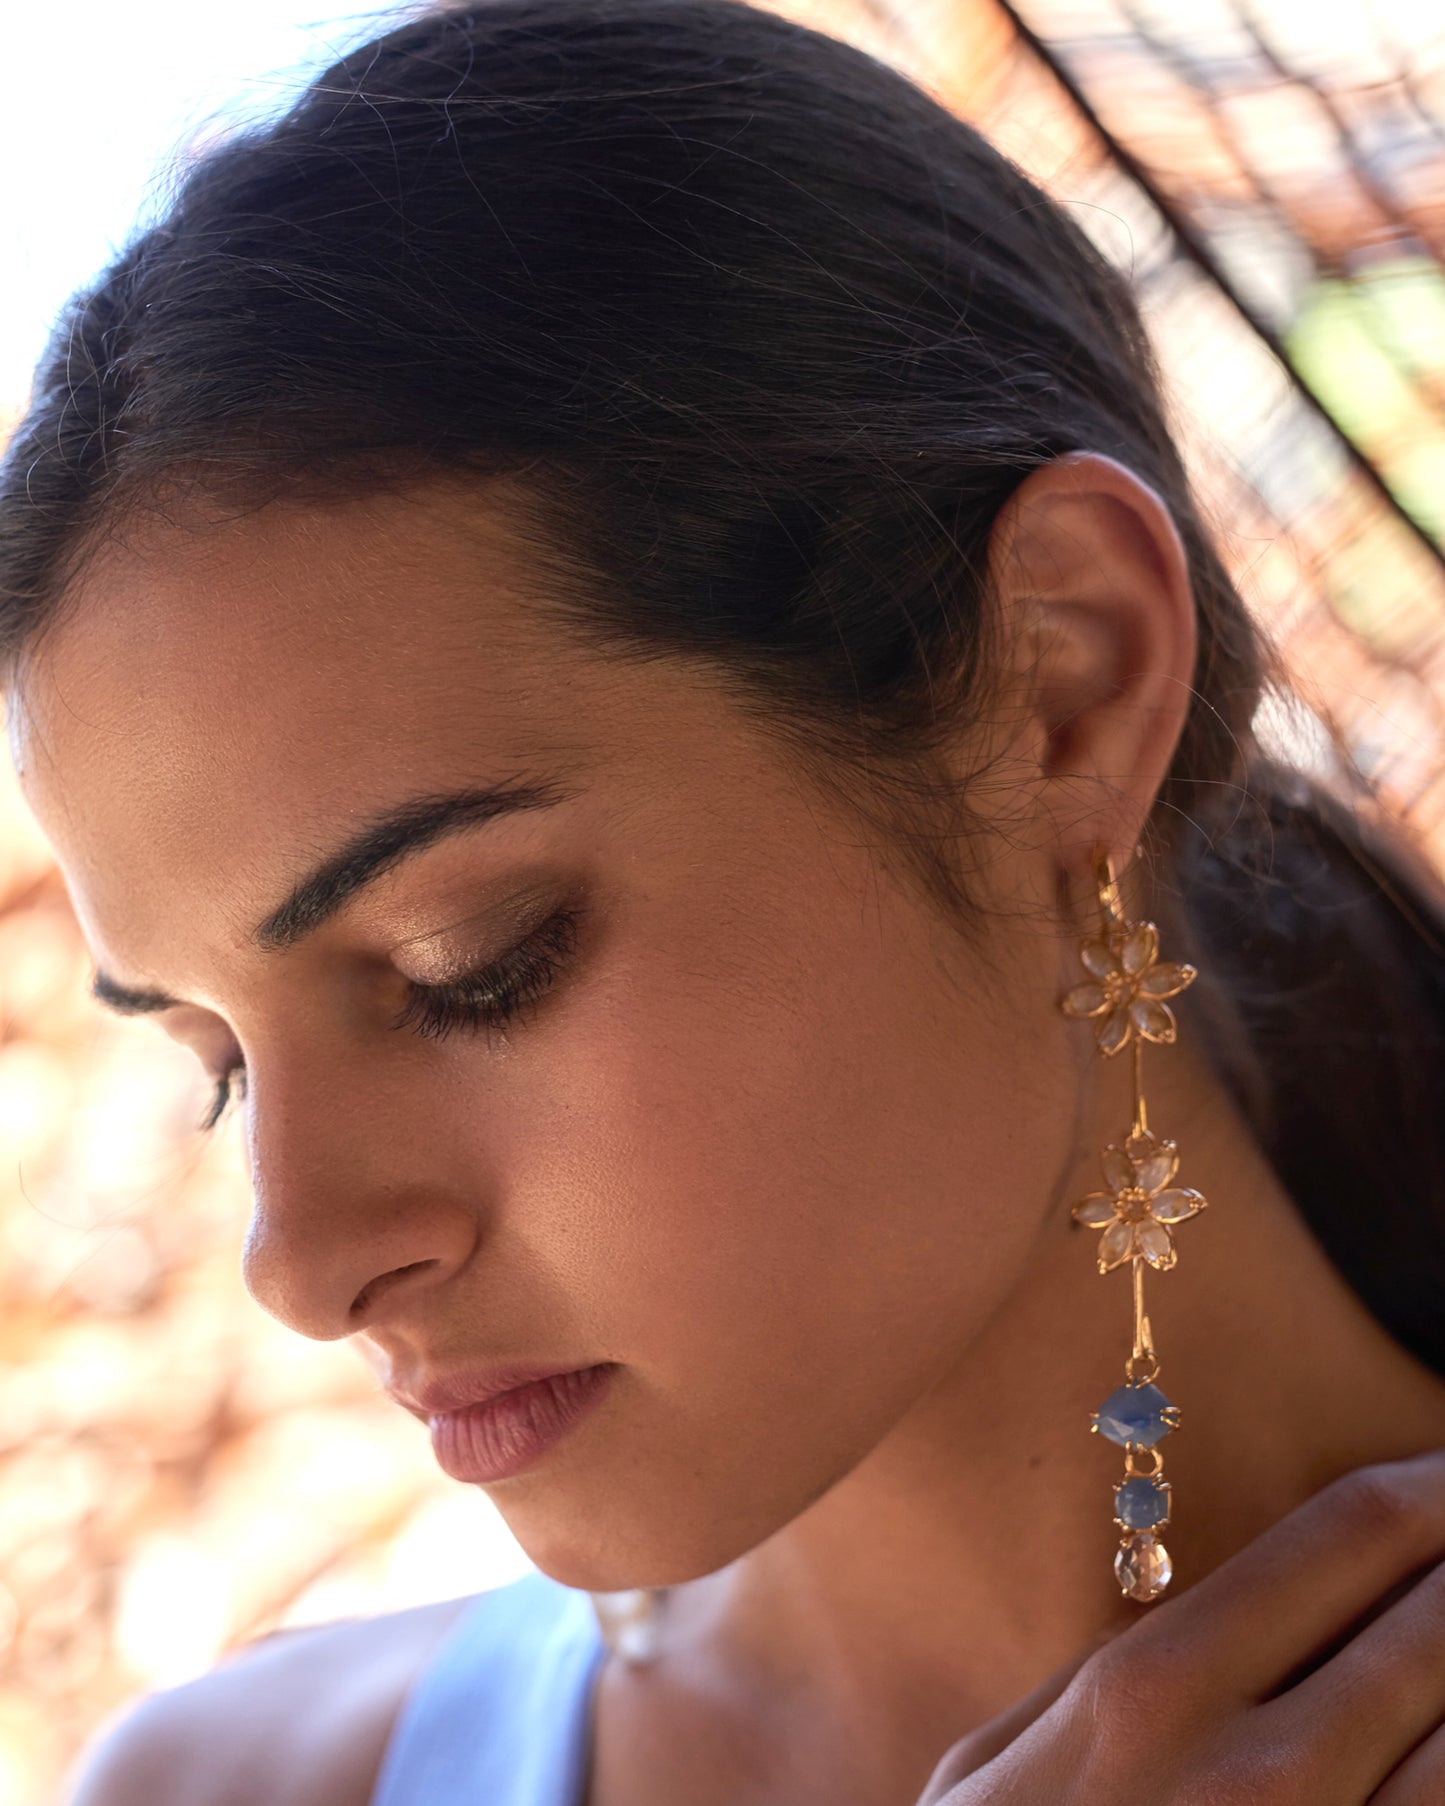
603	621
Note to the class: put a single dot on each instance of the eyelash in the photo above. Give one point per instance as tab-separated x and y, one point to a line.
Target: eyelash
493	997
225	1096
489	999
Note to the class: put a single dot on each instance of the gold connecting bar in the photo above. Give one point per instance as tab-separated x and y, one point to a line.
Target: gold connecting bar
1141	1119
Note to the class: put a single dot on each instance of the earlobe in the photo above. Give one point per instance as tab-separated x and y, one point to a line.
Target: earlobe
1092	580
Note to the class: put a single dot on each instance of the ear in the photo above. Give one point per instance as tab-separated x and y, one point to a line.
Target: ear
1100	640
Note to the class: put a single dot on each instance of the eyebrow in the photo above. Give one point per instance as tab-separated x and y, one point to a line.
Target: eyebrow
386	840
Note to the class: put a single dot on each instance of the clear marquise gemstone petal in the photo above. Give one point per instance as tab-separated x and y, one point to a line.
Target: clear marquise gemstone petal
1098	958
1157	1168
1137	953
1118	1168
1097	1210
1167	980
1156	1244
1176	1206
1085	1000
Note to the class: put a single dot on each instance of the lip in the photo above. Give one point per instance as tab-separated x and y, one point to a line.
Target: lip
512	1428
460	1391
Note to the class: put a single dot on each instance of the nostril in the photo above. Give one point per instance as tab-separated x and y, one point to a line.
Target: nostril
374	1288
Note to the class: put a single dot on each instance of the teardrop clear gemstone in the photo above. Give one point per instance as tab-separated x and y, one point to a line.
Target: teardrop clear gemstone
1142	1566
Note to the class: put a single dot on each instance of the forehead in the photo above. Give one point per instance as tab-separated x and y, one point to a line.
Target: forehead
192	607
221	697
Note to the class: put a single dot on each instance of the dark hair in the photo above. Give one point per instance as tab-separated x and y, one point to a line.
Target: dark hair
766	338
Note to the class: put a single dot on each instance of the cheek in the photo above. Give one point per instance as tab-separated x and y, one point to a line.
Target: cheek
795	1225
800	1212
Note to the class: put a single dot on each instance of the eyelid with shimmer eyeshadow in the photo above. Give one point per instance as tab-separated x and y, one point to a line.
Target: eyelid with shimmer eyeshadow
489	999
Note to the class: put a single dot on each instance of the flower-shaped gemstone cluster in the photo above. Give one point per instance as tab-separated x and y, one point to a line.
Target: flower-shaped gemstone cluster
1137	1208
1127	989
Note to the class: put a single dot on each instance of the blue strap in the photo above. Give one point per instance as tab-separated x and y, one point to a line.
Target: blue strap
502	1713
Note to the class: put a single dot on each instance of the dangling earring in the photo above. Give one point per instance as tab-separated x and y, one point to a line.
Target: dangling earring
1124	996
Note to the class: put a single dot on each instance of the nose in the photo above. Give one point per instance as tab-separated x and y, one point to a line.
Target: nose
361	1201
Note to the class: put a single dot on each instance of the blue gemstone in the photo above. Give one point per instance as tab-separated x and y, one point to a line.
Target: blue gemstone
1142	1503
1134	1414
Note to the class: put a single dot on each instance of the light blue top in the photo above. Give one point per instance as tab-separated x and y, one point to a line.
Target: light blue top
501	1714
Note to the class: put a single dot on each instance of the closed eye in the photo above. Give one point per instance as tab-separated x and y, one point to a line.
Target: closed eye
491	998
499	993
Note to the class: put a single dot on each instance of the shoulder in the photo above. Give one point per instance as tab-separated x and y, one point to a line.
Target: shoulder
298	1718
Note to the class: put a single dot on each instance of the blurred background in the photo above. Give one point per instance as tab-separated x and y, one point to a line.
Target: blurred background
179	1474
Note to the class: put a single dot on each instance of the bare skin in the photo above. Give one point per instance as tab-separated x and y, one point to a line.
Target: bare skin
300	1718
779	1141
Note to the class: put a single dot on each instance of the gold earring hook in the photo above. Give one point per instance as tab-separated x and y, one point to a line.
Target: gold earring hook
1111	908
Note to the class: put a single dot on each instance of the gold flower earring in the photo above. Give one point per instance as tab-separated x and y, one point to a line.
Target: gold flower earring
1124	998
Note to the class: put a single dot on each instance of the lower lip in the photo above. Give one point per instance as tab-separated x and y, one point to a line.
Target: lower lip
507	1434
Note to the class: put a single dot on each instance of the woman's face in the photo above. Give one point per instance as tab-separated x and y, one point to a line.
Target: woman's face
762	1141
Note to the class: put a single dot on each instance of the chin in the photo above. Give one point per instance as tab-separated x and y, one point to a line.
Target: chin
598	1550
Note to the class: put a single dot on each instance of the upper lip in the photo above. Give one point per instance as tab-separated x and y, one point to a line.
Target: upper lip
456	1391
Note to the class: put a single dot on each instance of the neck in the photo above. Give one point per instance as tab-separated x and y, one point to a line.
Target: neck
972	1552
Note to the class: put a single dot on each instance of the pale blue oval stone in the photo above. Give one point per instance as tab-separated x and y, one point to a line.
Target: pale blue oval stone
1142	1503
